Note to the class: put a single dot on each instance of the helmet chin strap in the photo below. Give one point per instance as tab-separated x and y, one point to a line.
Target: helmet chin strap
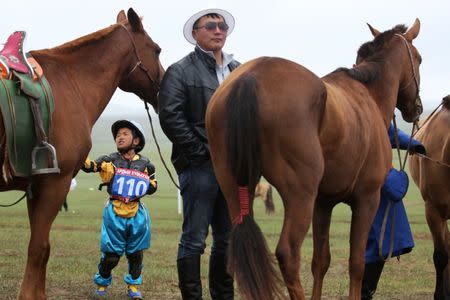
125	150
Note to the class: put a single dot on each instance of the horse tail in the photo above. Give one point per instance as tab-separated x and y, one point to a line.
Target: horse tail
249	258
242	132
270	206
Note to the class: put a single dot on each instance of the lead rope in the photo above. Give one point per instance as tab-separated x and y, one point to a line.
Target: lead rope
157	146
428	118
389	205
423	125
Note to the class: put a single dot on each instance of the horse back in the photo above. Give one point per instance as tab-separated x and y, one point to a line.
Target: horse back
353	137
289	95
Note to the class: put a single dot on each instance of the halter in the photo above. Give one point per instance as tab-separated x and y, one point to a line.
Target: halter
139	62
414	76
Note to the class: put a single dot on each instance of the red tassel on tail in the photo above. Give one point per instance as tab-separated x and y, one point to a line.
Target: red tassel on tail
244	204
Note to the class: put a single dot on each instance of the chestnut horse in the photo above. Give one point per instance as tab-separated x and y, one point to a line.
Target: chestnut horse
83	75
318	142
432	176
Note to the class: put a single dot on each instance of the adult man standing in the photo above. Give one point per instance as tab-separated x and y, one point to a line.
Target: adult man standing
185	92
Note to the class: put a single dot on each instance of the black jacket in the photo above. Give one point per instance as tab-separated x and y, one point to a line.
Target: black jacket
186	89
108	164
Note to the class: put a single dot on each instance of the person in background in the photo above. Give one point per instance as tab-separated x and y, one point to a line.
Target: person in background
126	223
186	89
391	207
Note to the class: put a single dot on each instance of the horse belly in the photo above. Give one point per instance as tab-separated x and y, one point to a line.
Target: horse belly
355	145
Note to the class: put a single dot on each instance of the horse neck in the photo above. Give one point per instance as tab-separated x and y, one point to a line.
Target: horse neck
91	67
386	88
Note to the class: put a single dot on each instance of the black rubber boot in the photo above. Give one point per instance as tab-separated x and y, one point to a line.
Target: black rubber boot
372	274
220	282
189	277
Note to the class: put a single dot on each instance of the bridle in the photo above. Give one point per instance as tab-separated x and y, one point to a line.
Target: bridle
414	75
156	86
155	83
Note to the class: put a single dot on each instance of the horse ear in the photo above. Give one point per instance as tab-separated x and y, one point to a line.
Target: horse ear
413	31
121	17
134	20
375	32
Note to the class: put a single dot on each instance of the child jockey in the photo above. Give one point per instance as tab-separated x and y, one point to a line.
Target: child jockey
126	222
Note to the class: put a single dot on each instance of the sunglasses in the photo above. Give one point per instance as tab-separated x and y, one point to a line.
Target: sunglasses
210	26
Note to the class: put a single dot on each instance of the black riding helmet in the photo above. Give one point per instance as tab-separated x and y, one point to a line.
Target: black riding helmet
138	131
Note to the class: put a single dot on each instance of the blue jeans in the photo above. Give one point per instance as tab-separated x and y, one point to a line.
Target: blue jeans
203	205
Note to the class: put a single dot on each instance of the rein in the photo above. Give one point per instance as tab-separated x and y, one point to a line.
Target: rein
428	118
139	62
423	125
14	203
433	160
157	146
390	204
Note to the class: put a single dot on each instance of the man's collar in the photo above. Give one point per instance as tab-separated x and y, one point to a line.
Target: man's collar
227	58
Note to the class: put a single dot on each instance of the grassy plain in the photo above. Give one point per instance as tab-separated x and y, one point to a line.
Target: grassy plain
75	241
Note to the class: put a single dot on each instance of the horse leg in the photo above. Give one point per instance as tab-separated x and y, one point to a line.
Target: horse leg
42	210
298	194
321	236
439	231
364	209
446	279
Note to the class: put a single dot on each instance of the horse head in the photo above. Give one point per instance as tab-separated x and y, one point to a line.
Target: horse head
398	44
446	102
145	72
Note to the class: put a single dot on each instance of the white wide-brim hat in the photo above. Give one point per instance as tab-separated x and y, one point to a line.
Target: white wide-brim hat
188	26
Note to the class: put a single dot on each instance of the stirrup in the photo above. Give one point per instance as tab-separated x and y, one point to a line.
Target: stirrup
44	146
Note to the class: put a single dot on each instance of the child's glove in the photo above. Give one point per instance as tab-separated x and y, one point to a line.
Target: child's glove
107	171
95	165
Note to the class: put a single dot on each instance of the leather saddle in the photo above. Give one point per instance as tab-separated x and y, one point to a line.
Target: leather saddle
12	56
16	67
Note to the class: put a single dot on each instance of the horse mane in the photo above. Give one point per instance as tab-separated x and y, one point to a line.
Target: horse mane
365	74
84	40
372	53
446	102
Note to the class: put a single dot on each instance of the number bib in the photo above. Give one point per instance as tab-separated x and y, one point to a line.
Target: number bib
128	184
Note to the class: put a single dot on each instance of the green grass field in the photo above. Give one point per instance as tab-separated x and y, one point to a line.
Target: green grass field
75	241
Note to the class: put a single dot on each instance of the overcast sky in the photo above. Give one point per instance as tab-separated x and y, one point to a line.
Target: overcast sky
320	35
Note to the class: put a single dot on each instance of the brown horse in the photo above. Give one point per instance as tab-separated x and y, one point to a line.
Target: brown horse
83	75
318	142
432	176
